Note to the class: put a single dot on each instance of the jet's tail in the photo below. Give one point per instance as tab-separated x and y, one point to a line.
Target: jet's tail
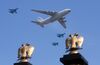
39	21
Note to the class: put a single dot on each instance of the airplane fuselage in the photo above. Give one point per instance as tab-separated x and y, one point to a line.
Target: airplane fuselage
54	16
57	16
13	10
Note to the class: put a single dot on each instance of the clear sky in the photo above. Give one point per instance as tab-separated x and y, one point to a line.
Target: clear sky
16	29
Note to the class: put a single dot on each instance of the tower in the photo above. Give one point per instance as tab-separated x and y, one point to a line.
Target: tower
73	57
24	54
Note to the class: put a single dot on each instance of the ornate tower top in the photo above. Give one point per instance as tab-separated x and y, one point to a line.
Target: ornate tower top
25	52
74	43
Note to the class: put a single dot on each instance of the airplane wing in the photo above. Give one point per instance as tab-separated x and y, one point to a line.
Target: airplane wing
51	13
62	22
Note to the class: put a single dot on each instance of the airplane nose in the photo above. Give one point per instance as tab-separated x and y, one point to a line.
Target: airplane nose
69	10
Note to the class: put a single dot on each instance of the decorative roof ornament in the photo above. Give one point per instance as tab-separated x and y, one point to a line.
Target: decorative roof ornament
74	43
25	52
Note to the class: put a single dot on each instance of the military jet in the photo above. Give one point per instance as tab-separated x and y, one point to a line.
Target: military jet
12	11
55	43
59	16
60	35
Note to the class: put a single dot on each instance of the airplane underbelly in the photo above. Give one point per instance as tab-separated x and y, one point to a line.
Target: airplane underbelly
49	20
58	16
52	19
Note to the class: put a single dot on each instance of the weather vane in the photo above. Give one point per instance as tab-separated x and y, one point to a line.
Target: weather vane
25	52
74	43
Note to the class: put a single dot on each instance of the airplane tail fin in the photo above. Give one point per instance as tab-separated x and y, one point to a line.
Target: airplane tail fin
39	22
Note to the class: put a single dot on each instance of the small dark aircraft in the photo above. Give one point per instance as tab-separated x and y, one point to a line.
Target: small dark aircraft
55	43
12	11
60	35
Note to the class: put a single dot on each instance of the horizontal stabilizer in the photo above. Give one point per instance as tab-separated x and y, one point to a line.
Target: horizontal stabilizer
39	23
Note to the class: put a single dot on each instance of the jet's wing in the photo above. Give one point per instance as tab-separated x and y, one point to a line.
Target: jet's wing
62	22
51	13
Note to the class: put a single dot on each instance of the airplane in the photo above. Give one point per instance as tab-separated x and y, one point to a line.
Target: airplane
12	11
60	35
55	43
59	16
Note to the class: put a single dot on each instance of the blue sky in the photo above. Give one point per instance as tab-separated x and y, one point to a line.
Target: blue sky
16	29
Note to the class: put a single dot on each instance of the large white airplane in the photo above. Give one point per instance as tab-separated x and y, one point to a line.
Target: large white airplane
59	16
